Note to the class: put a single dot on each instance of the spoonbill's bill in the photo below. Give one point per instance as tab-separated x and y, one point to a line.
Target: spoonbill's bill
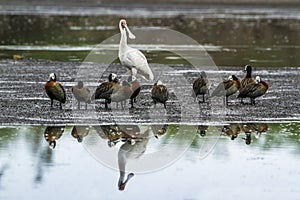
132	58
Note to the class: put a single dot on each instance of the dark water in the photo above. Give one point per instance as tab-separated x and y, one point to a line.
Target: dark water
211	167
233	36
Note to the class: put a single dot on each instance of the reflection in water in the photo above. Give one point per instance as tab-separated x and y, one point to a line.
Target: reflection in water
257	128
53	133
2	170
202	130
79	132
159	130
231	130
45	159
134	143
129	151
115	133
261	128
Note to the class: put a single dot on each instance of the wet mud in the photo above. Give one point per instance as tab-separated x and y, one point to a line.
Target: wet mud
24	101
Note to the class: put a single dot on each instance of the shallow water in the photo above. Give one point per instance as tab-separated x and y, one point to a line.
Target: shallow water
233	35
210	168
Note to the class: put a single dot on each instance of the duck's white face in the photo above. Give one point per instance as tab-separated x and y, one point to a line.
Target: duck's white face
230	77
113	76
159	83
52	145
257	79
52	76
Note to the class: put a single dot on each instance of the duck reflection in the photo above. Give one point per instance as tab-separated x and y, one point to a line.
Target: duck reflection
53	133
234	130
247	129
79	132
159	130
202	130
121	133
45	156
256	128
261	128
231	130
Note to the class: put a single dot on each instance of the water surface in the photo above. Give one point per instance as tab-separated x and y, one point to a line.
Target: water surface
266	167
233	35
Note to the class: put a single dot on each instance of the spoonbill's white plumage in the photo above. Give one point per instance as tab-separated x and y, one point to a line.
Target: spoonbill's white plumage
132	58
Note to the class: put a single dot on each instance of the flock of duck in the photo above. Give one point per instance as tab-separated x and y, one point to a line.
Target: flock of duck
247	87
134	60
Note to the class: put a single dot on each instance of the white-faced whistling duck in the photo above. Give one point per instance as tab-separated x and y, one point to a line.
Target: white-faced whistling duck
227	87
121	93
104	90
55	90
159	93
201	86
254	90
81	93
247	79
135	88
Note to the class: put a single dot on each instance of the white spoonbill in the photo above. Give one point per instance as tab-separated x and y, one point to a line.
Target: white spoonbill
132	58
